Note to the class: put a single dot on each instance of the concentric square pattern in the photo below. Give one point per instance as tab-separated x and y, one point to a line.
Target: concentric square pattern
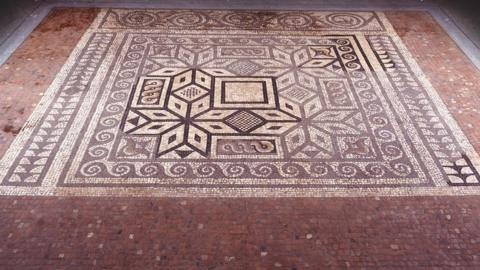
229	103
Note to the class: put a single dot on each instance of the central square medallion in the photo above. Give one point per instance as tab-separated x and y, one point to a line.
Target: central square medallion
187	110
240	92
243	92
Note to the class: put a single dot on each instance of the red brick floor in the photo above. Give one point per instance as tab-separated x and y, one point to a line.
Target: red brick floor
186	233
77	233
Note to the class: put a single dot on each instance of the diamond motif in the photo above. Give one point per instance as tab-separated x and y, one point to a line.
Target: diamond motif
298	94
189	117
191	92
244	121
244	67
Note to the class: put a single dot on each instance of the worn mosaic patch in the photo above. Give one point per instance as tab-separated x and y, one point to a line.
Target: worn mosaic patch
240	103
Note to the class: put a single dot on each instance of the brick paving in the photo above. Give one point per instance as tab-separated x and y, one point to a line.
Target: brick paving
114	233
386	233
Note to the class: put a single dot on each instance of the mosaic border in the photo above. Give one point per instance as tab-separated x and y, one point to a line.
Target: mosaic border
45	190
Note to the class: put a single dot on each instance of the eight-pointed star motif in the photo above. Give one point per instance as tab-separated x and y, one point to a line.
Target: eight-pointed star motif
189	107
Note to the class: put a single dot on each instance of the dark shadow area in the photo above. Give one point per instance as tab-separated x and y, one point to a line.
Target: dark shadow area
465	14
13	13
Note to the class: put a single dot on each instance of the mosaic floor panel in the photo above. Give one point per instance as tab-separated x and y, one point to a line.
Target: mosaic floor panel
240	103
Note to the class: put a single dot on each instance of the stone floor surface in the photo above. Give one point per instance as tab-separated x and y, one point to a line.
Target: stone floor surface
187	233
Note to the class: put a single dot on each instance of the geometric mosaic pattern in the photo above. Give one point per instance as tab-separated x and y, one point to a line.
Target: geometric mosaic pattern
186	109
240	103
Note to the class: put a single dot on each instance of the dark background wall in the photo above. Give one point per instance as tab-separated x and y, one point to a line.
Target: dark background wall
13	13
465	13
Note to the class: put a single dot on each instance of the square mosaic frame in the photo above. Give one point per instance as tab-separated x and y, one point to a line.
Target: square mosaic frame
450	165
